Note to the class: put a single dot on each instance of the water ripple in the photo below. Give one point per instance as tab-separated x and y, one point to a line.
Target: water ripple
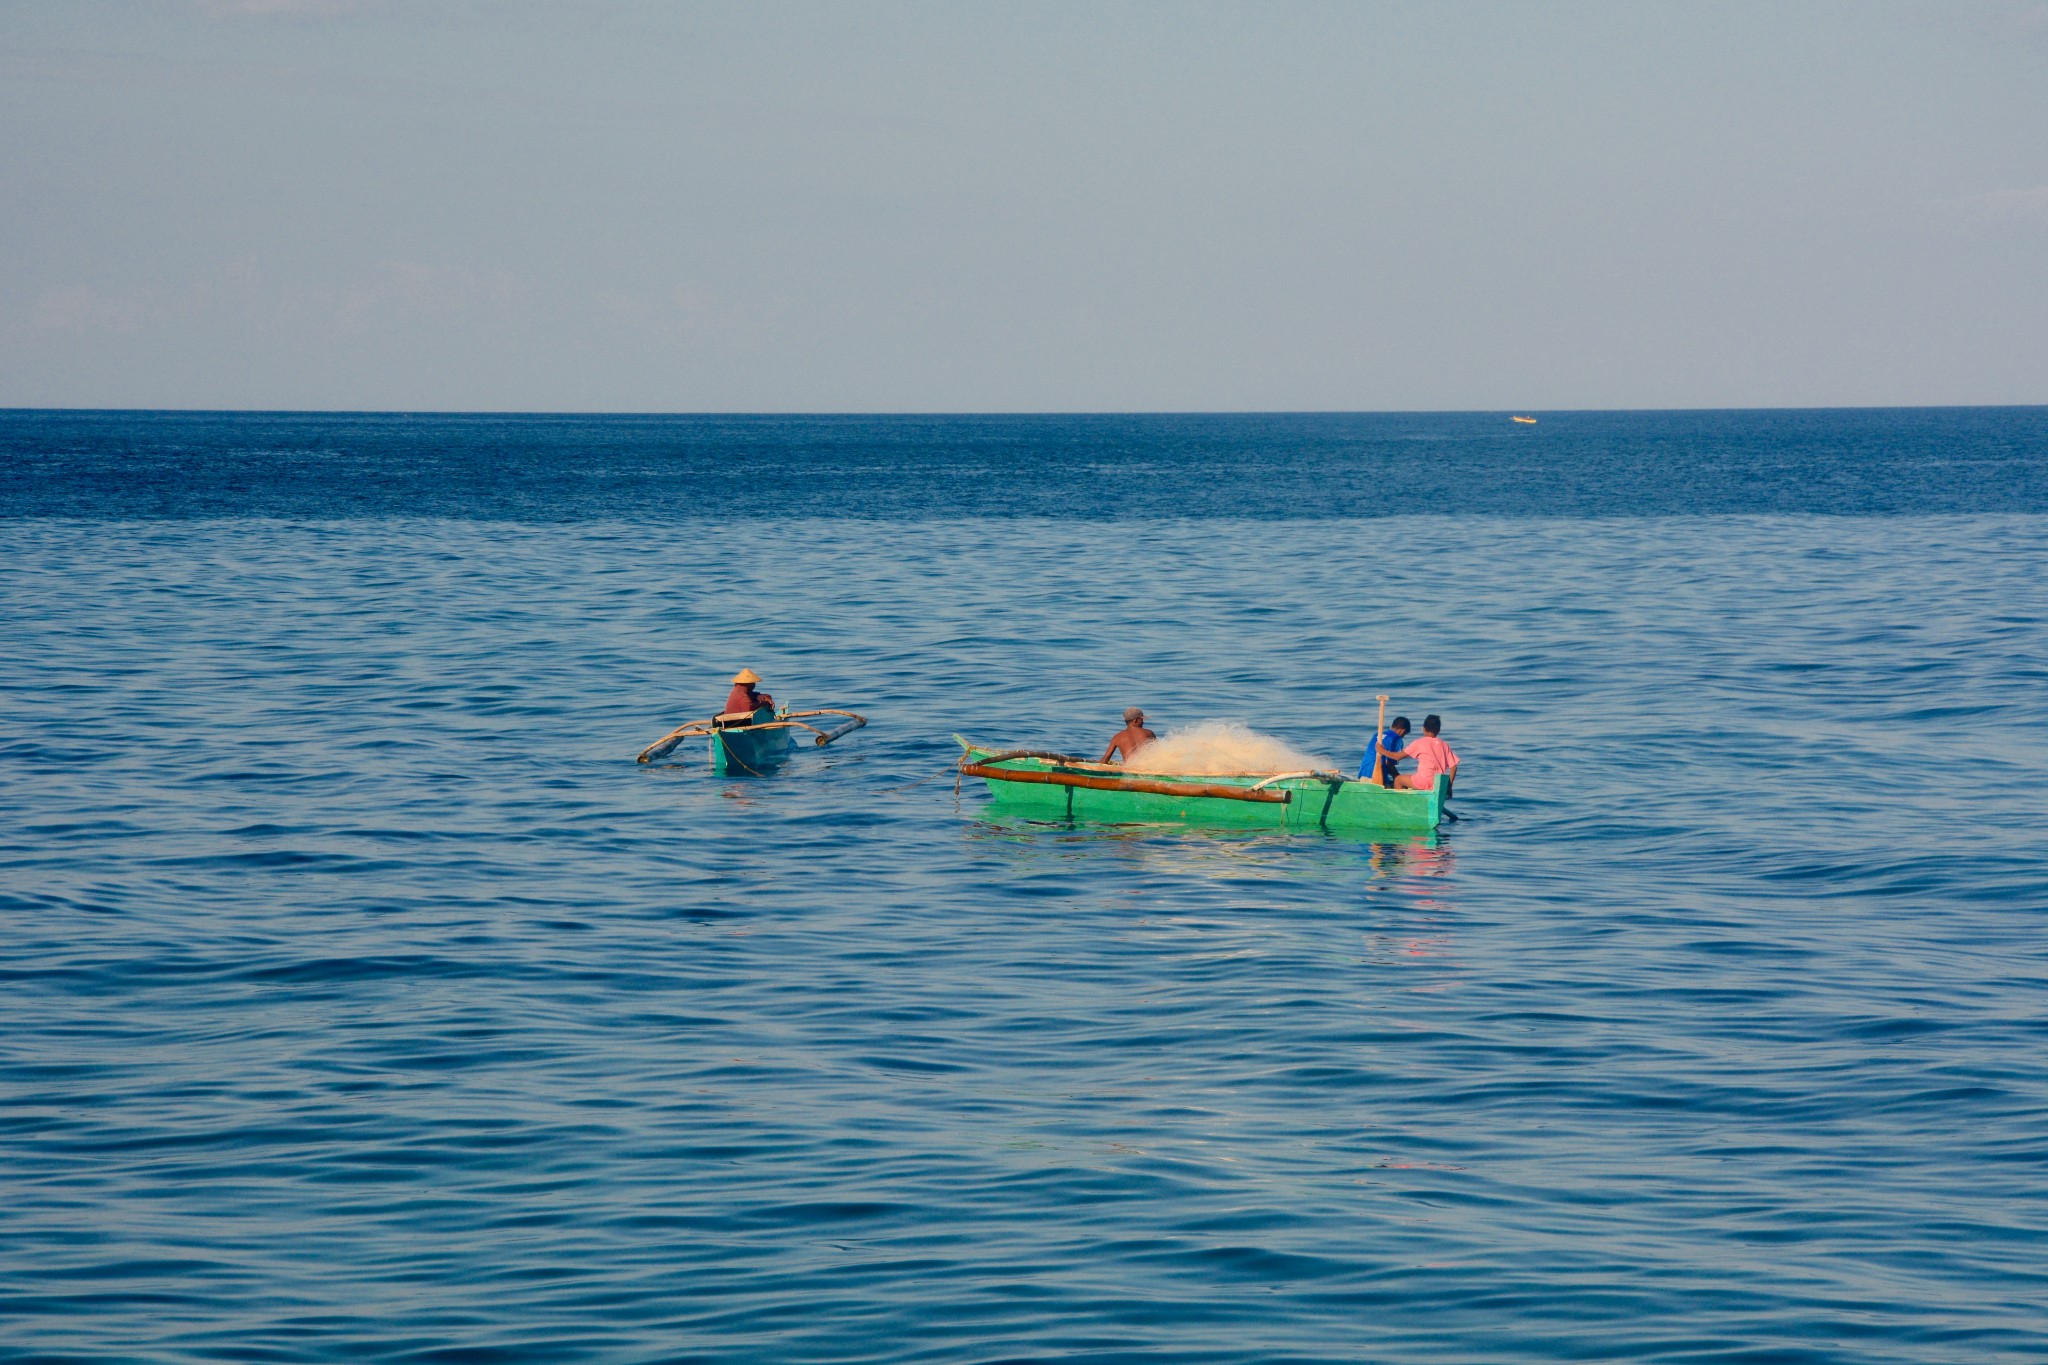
363	1000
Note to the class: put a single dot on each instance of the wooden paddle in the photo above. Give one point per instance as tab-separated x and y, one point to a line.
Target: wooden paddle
1378	729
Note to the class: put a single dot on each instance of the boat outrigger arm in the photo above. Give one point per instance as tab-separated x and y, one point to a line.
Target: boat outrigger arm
784	720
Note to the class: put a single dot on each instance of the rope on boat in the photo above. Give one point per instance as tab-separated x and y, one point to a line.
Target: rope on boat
732	757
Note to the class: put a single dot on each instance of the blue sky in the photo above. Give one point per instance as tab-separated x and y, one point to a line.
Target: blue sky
941	207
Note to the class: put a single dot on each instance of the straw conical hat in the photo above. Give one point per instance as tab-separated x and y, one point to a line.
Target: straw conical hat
747	676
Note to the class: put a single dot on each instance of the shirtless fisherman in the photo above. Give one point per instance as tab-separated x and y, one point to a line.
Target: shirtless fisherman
1133	737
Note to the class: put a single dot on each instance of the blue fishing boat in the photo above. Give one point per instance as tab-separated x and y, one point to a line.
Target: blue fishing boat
752	743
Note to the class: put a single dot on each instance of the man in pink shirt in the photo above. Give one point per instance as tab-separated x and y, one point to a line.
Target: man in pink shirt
1431	755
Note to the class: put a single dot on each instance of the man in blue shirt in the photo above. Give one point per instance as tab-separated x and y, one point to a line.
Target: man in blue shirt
1385	753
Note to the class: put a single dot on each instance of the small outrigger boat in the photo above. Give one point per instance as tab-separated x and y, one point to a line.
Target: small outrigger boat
751	742
1037	785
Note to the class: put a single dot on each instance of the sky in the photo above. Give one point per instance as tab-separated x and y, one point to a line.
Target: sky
942	207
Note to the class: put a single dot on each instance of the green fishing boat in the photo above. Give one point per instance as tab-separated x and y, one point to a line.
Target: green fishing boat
751	744
1036	785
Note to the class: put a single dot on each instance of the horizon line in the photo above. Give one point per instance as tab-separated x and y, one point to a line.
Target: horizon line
1004	412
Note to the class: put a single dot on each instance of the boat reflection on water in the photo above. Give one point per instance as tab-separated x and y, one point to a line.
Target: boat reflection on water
1422	855
1222	852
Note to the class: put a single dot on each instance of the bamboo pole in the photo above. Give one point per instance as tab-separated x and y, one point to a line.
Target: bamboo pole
827	736
661	747
1008	754
1316	773
1125	784
774	725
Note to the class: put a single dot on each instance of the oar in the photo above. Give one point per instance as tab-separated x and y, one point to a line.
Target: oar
1379	728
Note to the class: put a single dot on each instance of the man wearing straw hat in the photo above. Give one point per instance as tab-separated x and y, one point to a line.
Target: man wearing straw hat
744	695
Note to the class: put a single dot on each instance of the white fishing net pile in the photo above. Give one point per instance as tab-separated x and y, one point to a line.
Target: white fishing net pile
1221	748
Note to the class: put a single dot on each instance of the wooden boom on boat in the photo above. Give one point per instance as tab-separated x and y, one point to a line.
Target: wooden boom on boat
1212	790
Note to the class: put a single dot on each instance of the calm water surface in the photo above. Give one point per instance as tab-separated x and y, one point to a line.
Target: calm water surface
363	1000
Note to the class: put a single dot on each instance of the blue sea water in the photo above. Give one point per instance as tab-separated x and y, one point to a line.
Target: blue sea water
362	999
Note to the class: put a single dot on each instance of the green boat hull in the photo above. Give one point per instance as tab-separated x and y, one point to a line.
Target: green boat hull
748	751
1313	803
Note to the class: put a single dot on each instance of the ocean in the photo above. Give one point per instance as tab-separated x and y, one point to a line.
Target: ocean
361	998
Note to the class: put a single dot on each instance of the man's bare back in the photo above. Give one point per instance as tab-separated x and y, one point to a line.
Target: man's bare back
1133	737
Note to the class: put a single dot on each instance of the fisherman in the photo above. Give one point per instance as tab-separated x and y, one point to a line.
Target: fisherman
1432	756
745	697
1378	765
1133	737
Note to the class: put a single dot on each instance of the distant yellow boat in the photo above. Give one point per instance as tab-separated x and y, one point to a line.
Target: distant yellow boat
1530	420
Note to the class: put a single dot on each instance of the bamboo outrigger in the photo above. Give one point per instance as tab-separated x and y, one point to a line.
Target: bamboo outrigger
751	741
1039	785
